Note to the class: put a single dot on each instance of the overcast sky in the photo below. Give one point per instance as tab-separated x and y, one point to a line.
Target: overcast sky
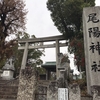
40	24
39	21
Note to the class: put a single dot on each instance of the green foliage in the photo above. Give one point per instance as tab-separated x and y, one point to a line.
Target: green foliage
76	46
6	51
34	55
40	70
67	17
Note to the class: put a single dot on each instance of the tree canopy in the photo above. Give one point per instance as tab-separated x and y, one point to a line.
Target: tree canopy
12	19
67	17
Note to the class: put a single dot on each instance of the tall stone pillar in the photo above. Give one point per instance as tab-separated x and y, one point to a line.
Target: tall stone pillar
27	84
91	29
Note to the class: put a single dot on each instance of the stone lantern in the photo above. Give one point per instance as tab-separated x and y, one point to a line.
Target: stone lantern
8	70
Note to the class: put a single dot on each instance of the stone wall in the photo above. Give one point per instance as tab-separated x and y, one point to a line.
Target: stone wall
95	92
31	89
41	93
86	98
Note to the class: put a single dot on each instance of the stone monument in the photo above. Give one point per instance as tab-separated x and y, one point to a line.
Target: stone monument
68	91
8	69
63	67
62	94
91	29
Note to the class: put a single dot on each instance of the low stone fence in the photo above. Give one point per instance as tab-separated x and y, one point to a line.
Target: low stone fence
41	93
32	89
74	92
86	98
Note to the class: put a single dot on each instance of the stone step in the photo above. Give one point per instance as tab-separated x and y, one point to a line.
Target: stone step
4	81
43	82
8	92
6	97
10	88
9	82
13	81
13	90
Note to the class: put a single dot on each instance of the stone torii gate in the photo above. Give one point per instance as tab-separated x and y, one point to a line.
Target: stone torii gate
27	46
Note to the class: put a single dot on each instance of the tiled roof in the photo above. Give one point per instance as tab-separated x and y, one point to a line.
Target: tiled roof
49	66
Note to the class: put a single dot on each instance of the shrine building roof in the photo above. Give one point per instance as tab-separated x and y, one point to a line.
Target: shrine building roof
51	66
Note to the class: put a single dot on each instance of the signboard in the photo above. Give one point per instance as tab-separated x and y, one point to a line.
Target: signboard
62	94
6	73
91	29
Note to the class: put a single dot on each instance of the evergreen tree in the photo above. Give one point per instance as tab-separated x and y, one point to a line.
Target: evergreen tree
67	17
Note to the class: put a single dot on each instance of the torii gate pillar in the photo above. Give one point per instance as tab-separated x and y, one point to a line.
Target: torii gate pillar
25	56
27	46
57	60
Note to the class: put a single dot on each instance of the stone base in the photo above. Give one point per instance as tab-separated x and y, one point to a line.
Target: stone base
96	92
74	92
